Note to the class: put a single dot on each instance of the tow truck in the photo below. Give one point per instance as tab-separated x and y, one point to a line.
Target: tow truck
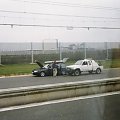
86	65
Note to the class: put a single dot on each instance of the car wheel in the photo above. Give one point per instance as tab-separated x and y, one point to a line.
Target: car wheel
98	70
42	74
77	72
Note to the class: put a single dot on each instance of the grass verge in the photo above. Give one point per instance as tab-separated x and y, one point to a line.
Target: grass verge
16	69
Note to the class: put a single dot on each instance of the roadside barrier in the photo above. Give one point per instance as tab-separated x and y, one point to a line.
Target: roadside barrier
42	93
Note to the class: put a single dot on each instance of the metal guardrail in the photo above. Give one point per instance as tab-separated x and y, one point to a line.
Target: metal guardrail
41	93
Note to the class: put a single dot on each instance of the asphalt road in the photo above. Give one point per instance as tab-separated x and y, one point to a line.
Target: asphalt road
101	108
13	82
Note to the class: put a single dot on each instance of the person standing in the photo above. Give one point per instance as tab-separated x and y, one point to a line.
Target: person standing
54	66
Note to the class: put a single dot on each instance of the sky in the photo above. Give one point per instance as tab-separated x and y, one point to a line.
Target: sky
59	19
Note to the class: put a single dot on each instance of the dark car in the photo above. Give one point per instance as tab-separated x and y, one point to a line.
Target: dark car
47	69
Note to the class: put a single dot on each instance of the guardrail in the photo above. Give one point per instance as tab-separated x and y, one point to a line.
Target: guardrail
41	93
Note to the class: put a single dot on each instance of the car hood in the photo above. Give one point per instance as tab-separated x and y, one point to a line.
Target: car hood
41	65
40	69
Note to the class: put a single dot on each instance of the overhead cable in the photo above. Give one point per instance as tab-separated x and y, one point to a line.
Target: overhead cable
36	18
60	26
59	15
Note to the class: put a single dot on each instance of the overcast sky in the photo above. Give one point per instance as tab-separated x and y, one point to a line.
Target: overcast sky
64	15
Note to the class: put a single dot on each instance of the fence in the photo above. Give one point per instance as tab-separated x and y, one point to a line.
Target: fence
14	53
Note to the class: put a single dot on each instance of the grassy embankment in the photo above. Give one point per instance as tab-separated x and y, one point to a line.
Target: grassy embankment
21	69
16	69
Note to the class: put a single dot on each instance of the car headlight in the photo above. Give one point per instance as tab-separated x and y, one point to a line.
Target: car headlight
35	71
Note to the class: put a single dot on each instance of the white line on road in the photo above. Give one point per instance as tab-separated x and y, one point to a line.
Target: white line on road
58	101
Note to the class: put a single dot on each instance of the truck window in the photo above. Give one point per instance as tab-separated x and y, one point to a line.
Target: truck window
89	62
85	63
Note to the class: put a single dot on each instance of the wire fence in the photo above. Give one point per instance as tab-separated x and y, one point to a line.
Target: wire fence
18	53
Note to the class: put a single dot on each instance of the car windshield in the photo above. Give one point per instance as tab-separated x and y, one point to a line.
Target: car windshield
79	62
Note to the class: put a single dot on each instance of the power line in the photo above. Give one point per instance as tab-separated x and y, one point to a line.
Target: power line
33	18
59	15
69	4
59	26
5	16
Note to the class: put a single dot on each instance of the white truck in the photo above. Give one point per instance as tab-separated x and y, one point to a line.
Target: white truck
85	65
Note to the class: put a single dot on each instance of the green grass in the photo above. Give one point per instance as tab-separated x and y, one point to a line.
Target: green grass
21	69
17	69
115	64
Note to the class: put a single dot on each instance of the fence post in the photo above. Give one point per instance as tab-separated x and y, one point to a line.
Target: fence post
31	53
43	49
85	49
60	50
0	58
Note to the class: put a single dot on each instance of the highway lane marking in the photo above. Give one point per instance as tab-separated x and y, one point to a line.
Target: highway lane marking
58	101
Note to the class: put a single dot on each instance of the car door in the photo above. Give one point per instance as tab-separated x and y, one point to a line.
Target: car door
84	66
50	70
90	65
62	69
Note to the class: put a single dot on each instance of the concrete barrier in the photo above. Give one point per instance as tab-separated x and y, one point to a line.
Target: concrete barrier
41	93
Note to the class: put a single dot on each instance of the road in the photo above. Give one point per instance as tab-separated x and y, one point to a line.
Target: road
13	82
95	108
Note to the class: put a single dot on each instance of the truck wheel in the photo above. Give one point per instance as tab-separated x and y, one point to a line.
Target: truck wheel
98	70
77	72
42	74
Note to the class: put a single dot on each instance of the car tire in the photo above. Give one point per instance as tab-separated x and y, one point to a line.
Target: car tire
42	74
98	71
77	72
